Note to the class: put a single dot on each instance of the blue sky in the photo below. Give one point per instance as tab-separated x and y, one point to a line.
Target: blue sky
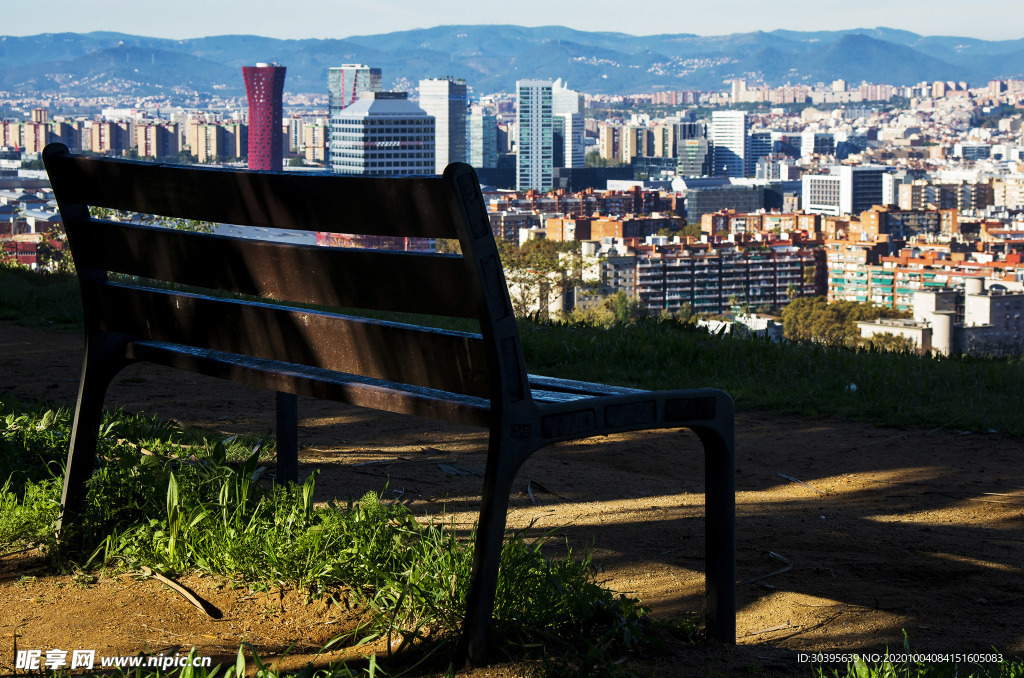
990	19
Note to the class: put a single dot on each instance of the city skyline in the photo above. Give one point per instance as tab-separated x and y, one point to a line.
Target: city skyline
986	21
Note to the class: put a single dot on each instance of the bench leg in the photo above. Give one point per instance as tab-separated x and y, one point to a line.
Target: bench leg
103	360
483	581
720	535
287	437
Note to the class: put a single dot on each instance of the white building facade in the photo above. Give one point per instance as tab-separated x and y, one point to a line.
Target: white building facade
534	135
730	143
445	99
382	133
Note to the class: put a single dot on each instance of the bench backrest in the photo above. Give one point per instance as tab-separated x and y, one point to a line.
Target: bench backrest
280	301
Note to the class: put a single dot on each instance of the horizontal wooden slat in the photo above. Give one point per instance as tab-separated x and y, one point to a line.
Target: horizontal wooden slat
440	359
315	383
356	278
406	207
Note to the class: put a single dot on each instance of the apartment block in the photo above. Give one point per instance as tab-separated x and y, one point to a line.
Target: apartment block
710	282
731	222
889	274
208	142
157	140
506	225
315	141
599	228
110	138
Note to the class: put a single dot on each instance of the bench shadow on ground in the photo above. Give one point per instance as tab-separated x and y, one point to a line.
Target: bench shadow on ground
894	530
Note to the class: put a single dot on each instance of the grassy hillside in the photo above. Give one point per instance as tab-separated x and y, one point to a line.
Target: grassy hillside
975	394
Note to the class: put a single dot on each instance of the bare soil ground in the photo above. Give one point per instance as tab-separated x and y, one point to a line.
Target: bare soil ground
894	529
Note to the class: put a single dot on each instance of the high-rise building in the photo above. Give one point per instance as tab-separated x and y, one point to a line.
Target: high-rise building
568	105
482	131
565	100
293	132
759	146
535	135
445	99
264	88
693	158
315	142
573	150
634	142
345	82
729	139
157	140
609	142
210	144
109	138
382	133
236	139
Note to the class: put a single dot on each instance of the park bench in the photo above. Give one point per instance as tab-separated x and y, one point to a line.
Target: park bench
267	314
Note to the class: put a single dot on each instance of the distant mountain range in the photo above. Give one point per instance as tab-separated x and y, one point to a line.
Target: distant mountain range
492	58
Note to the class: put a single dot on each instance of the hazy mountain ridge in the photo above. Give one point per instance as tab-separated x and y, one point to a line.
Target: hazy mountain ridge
491	58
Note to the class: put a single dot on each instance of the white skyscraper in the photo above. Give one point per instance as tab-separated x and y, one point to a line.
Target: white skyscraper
535	131
568	104
729	136
382	133
445	99
565	100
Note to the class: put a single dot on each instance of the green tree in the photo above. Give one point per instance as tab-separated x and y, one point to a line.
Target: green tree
813	318
625	308
692	230
685	312
53	258
594	159
887	341
537	274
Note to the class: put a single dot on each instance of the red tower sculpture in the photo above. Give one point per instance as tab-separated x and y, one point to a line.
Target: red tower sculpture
264	87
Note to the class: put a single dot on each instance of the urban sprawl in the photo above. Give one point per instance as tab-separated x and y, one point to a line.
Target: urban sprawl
907	197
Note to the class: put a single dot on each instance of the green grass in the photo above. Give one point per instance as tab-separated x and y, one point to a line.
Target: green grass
192	505
909	669
39	299
804	378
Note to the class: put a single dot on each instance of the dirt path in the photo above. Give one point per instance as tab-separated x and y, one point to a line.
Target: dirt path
894	528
